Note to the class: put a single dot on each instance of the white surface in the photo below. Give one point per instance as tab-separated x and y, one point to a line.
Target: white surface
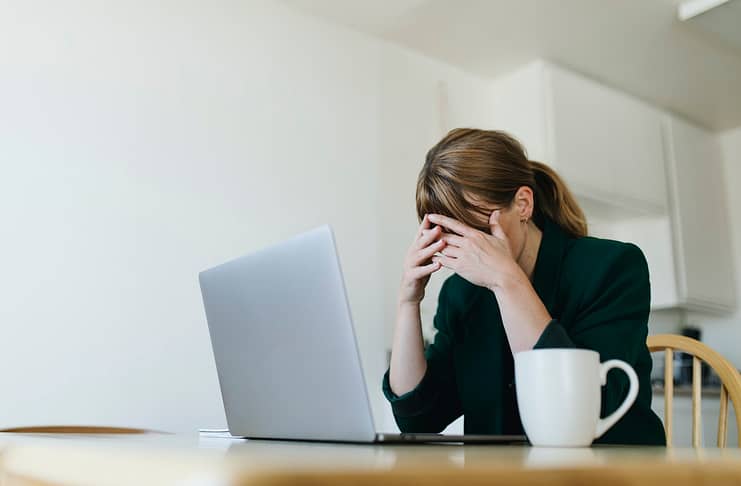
569	381
409	124
720	23
623	167
691	8
139	146
637	46
653	236
606	145
143	142
521	109
723	333
699	215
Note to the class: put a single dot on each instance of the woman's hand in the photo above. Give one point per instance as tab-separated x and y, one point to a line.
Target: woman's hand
486	260
483	259
418	264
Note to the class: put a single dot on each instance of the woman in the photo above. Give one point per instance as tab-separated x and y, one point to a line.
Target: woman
526	277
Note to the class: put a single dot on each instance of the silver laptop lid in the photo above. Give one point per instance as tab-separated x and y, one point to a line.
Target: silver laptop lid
284	344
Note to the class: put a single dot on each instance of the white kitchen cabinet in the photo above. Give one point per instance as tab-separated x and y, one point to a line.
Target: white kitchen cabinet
688	248
640	175
699	217
653	235
606	144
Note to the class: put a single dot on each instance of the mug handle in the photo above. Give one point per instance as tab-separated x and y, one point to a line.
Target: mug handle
604	424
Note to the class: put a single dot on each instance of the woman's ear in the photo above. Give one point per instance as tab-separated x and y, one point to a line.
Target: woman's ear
524	203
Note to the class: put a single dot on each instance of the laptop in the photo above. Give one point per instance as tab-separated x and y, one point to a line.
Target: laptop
285	348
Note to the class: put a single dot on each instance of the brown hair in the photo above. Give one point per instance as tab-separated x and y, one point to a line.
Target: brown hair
470	168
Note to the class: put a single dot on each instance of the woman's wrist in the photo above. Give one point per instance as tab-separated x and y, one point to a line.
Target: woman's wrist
509	277
408	304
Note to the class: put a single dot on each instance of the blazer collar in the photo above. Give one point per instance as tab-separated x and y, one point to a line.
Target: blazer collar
547	273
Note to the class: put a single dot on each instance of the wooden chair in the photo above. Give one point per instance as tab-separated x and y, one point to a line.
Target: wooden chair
729	377
75	429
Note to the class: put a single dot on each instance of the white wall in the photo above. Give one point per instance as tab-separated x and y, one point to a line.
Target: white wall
141	142
410	126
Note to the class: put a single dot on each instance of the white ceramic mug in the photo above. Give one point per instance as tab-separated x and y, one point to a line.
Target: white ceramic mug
559	395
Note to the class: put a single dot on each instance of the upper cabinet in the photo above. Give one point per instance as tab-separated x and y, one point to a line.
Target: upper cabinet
640	174
699	217
606	144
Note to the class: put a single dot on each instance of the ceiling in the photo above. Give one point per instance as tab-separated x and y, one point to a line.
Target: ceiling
719	18
638	46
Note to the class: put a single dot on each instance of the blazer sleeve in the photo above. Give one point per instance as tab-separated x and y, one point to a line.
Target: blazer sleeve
613	320
434	403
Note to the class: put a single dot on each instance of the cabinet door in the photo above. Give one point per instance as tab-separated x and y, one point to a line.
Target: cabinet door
699	216
653	236
518	108
606	144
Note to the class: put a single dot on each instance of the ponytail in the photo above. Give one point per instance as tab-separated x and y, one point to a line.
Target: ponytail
554	200
470	170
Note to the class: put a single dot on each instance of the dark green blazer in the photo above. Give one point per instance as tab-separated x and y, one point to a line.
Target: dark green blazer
597	292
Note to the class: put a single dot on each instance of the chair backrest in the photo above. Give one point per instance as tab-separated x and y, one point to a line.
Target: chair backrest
729	377
74	429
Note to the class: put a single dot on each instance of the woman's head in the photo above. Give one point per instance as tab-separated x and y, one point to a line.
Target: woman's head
471	173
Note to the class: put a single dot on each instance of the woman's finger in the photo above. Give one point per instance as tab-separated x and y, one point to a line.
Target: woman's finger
454	240
428	252
425	270
497	228
428	236
452	224
423	225
452	251
447	262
